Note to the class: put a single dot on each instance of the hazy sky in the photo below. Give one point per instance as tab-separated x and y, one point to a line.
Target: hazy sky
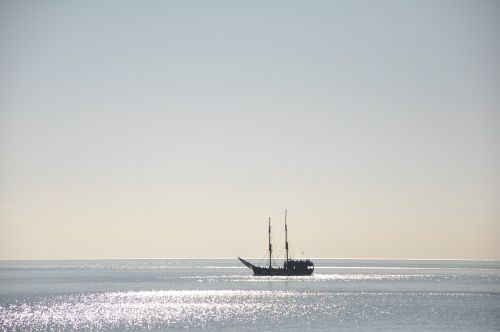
175	128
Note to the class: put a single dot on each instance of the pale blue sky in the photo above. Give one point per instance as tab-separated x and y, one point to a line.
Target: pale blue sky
174	128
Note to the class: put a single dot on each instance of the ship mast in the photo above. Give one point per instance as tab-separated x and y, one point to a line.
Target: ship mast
286	241
270	247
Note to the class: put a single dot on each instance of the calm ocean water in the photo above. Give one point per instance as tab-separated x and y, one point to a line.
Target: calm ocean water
221	294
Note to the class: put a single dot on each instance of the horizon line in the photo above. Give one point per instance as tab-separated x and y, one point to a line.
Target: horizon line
228	258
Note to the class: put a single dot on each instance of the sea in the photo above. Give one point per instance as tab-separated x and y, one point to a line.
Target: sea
223	295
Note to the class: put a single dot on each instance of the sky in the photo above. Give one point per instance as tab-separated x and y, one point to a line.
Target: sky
133	129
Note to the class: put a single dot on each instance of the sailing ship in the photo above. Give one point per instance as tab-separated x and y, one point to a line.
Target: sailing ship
291	267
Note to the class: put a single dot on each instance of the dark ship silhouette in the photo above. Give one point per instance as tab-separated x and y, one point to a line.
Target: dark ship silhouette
291	267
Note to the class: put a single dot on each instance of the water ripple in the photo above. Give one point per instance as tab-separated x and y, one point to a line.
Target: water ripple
153	310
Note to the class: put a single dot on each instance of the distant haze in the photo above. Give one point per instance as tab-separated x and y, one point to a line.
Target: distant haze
176	128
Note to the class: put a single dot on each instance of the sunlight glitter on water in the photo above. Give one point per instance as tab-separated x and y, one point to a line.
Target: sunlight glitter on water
191	309
154	310
314	278
143	309
40	297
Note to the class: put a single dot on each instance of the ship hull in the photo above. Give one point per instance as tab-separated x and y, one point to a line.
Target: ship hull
277	271
265	271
